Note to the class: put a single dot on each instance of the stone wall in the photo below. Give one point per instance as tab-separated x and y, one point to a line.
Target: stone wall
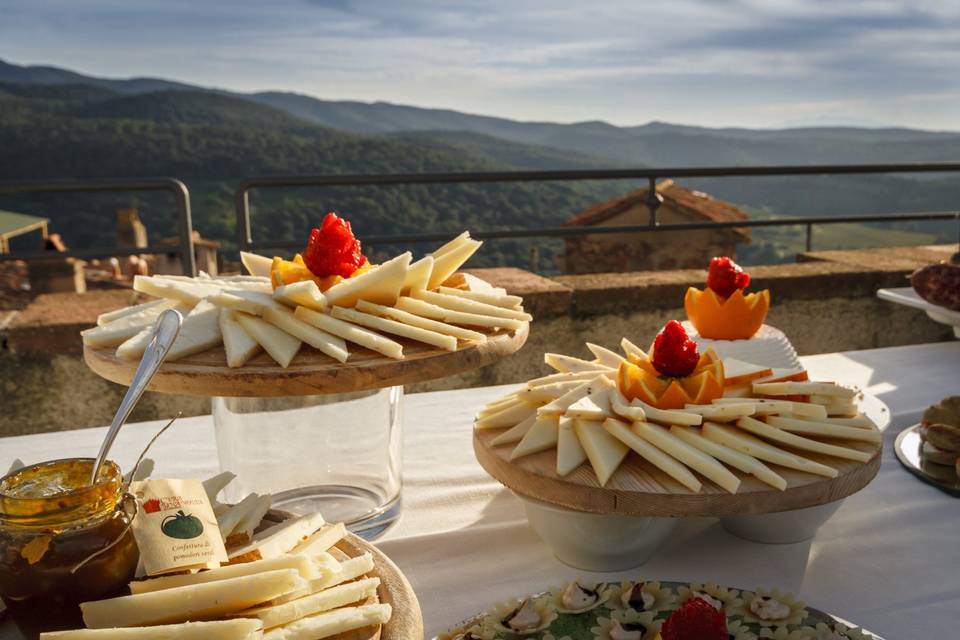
825	303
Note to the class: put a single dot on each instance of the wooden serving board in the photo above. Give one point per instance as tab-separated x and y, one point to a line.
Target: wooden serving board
312	372
638	488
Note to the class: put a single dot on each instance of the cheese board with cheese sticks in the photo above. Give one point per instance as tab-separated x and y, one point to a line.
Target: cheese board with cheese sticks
327	321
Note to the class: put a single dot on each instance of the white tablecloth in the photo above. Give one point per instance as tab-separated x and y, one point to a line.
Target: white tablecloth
888	560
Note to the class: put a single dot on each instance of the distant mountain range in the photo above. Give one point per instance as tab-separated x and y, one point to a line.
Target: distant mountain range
58	123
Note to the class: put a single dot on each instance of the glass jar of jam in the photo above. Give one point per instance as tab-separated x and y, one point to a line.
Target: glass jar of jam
62	539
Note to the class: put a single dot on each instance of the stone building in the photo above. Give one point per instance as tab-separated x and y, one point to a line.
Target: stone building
645	251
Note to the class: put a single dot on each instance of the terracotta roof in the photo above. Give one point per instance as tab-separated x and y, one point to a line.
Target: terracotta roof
696	203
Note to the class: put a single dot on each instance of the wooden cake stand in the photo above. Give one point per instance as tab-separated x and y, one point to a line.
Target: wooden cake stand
312	372
638	488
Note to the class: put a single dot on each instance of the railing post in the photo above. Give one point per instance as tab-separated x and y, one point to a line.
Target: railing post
653	201
809	237
188	258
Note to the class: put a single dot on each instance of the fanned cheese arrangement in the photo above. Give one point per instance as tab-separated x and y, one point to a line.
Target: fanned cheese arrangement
330	298
284	580
692	416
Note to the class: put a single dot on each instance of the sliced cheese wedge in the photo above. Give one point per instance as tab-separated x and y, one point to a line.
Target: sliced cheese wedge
322	539
499	405
278	539
466	305
651	413
286	320
620	406
446	264
332	623
738	372
785	375
825	429
561	404
241	629
803	388
237	343
199	331
727	412
243	532
351	333
305	293
604	452
632	350
547	392
774	434
350	569
125	327
605	356
743	442
690	456
280	345
562	377
514	434
427	310
304	566
418	275
380	285
767	406
496	299
470	282
570	453
192	602
252	302
228	520
652	454
421	322
190	291
333	598
448	343
507	417
256	264
541	436
451	245
732	457
859	420
569	364
112	316
593	406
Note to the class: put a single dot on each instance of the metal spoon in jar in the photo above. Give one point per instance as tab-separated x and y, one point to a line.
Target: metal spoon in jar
165	331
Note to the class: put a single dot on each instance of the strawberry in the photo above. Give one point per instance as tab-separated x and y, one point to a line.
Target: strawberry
726	276
333	250
695	620
674	354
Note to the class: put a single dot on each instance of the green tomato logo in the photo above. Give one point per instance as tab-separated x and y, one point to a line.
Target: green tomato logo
181	526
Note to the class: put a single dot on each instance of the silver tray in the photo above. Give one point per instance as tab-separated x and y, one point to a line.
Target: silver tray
907	447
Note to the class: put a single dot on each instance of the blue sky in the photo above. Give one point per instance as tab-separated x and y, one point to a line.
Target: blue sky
752	63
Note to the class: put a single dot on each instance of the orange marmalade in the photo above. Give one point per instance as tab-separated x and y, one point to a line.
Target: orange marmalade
52	521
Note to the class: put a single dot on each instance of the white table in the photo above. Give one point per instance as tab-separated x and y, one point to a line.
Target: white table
889	559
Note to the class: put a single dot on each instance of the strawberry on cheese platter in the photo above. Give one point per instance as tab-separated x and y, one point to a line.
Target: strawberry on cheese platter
325	322
668	433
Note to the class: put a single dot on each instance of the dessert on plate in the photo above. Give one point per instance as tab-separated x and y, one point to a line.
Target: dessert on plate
940	434
724	316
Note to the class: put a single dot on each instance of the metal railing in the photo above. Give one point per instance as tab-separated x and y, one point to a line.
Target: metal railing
181	196
246	242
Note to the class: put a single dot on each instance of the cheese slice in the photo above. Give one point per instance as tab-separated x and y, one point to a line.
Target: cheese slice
541	436
569	364
637	409
304	566
192	602
304	293
456	243
280	345
727	412
736	459
190	291
507	417
199	331
287	321
448	343
604	452
605	356
333	598
785	375
570	453
421	322
380	285
466	305
496	299
499	405
547	392
241	629
766	406
652	454
331	623
593	406
562	377
738	372
859	420
445	264
514	434
825	429
350	569
774	434
243	531
470	282
692	457
743	442
561	404
803	388
427	310
237	343
252	302
112	316
125	327
230	517
418	275
632	350
352	333
256	265
622	408
322	539
278	539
